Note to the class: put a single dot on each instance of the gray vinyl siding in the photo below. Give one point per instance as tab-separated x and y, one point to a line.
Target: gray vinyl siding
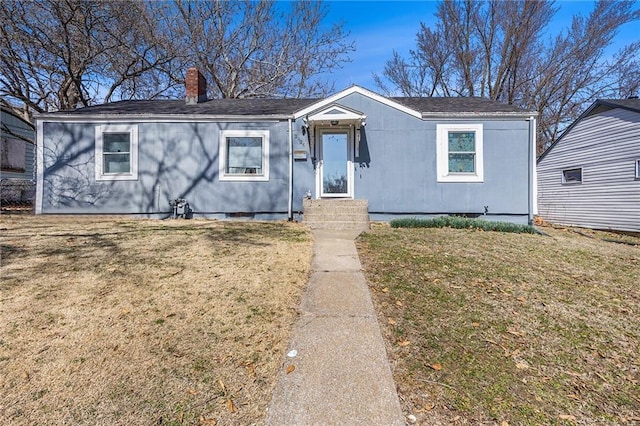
175	160
395	171
606	146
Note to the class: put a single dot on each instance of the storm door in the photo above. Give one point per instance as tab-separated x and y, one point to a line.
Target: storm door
336	163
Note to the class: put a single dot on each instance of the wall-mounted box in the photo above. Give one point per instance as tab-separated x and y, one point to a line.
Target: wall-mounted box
300	154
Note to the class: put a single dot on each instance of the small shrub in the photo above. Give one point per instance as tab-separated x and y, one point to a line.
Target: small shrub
461	223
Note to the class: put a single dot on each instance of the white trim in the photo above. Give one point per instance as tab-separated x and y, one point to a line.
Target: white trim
361	91
39	166
345	115
349	130
442	153
161	118
638	169
132	129
264	135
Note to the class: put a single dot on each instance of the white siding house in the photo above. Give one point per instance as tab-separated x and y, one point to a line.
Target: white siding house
590	177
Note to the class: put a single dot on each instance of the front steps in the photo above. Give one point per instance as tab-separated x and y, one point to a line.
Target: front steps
336	214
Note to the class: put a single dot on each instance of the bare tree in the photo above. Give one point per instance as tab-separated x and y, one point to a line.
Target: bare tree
627	71
257	48
500	50
60	54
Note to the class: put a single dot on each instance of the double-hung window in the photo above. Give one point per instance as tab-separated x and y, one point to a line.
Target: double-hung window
116	153
244	155
460	153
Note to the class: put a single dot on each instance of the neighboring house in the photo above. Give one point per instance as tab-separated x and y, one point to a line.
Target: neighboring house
17	158
590	177
261	157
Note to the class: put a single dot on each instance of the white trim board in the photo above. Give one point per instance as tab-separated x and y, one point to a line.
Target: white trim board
39	166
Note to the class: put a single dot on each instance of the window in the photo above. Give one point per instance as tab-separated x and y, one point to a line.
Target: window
13	155
572	176
459	152
244	155
117	152
637	169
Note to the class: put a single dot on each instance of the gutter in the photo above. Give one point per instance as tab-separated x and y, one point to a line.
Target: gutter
477	115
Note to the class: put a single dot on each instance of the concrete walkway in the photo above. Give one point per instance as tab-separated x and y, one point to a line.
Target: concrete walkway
341	375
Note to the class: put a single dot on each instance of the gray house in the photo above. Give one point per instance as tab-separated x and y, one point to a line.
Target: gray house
590	177
17	158
261	157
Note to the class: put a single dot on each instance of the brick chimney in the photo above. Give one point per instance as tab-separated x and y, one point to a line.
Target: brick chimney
196	86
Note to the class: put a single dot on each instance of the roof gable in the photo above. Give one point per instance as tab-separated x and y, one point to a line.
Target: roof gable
598	107
356	89
336	112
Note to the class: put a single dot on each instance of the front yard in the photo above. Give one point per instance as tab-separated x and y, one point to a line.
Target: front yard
494	328
109	321
114	321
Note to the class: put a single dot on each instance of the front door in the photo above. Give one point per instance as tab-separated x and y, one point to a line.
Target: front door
336	163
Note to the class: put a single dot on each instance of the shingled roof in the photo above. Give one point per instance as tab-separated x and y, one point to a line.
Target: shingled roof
283	107
230	107
458	105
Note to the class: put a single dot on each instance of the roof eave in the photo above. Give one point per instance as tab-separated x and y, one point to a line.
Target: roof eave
10	111
497	114
614	104
160	117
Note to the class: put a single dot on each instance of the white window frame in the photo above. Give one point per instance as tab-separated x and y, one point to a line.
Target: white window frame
638	169
132	129
577	182
264	135
443	153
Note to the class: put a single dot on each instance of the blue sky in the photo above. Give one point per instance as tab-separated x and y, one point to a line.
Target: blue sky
379	27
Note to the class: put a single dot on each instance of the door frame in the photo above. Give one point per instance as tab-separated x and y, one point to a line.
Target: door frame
349	130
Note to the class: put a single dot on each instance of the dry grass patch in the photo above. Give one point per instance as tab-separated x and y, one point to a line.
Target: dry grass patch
487	327
115	321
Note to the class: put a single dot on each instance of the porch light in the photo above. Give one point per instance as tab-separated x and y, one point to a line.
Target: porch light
334	122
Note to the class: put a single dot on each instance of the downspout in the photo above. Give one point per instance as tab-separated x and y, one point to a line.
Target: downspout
532	184
290	205
39	166
534	151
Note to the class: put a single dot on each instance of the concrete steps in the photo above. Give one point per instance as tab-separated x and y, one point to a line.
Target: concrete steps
337	214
